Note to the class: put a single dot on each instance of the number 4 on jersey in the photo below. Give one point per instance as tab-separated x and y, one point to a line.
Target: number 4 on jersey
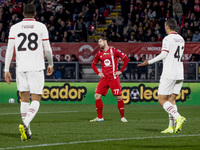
177	53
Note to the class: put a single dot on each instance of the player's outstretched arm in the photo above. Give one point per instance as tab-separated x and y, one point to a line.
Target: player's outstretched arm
145	63
161	56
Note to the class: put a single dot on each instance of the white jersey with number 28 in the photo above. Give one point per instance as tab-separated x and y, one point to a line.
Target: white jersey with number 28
28	36
172	64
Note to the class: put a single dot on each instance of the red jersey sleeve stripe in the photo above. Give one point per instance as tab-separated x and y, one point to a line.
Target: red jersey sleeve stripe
45	39
11	38
165	50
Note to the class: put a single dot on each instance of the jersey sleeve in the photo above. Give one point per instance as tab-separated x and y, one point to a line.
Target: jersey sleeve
11	34
165	45
96	58
119	54
45	34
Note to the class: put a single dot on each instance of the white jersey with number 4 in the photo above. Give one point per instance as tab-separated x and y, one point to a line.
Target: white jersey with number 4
172	64
28	36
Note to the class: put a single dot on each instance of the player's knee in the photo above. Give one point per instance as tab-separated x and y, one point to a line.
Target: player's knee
97	96
119	98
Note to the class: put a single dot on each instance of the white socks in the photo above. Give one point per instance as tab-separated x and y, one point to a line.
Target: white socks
171	118
24	109
33	108
168	107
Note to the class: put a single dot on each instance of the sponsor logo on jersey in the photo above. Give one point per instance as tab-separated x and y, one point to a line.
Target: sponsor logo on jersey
107	62
106	53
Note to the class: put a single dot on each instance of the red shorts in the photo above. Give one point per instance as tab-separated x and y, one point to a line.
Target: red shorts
104	85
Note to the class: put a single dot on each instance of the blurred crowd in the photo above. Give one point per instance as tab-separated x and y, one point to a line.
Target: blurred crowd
75	20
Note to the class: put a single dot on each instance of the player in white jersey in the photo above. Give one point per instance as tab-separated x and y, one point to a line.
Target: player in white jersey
172	75
29	38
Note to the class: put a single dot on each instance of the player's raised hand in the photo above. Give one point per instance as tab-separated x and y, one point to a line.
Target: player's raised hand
101	75
49	70
7	77
117	73
145	63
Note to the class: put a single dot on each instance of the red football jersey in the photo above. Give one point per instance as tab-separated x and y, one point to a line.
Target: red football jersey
109	61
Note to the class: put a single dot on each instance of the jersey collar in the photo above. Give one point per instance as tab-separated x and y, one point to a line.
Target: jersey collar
173	33
28	19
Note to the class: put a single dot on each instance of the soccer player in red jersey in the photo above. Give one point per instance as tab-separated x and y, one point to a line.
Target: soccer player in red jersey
109	58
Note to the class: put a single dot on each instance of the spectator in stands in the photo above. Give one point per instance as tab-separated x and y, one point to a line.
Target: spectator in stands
112	27
113	37
128	28
189	34
151	14
185	29
105	33
119	20
74	37
132	39
196	36
160	38
80	28
88	17
70	26
140	36
70	70
143	69
178	11
131	67
120	28
191	68
148	36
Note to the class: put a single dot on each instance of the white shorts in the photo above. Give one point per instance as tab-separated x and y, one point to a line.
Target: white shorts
30	81
169	86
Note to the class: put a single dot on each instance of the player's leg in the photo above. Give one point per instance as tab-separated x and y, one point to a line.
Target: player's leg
99	108
180	120
22	86
165	89
33	108
102	89
25	96
121	108
115	87
36	84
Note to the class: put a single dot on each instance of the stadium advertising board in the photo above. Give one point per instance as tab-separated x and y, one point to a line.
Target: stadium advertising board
83	93
85	52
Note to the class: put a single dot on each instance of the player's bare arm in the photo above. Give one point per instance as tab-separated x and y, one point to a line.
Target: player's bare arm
7	77
145	63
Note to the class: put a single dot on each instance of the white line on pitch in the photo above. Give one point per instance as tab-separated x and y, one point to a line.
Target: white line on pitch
101	140
58	112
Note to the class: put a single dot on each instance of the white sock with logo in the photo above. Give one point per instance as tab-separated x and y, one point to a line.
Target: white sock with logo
33	109
169	108
171	118
24	109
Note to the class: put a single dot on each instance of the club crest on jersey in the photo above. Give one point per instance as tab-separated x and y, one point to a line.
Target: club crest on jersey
118	51
107	62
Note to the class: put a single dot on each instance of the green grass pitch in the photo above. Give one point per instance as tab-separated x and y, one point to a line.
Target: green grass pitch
67	126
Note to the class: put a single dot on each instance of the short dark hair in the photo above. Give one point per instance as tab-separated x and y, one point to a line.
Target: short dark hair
29	9
171	23
104	38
